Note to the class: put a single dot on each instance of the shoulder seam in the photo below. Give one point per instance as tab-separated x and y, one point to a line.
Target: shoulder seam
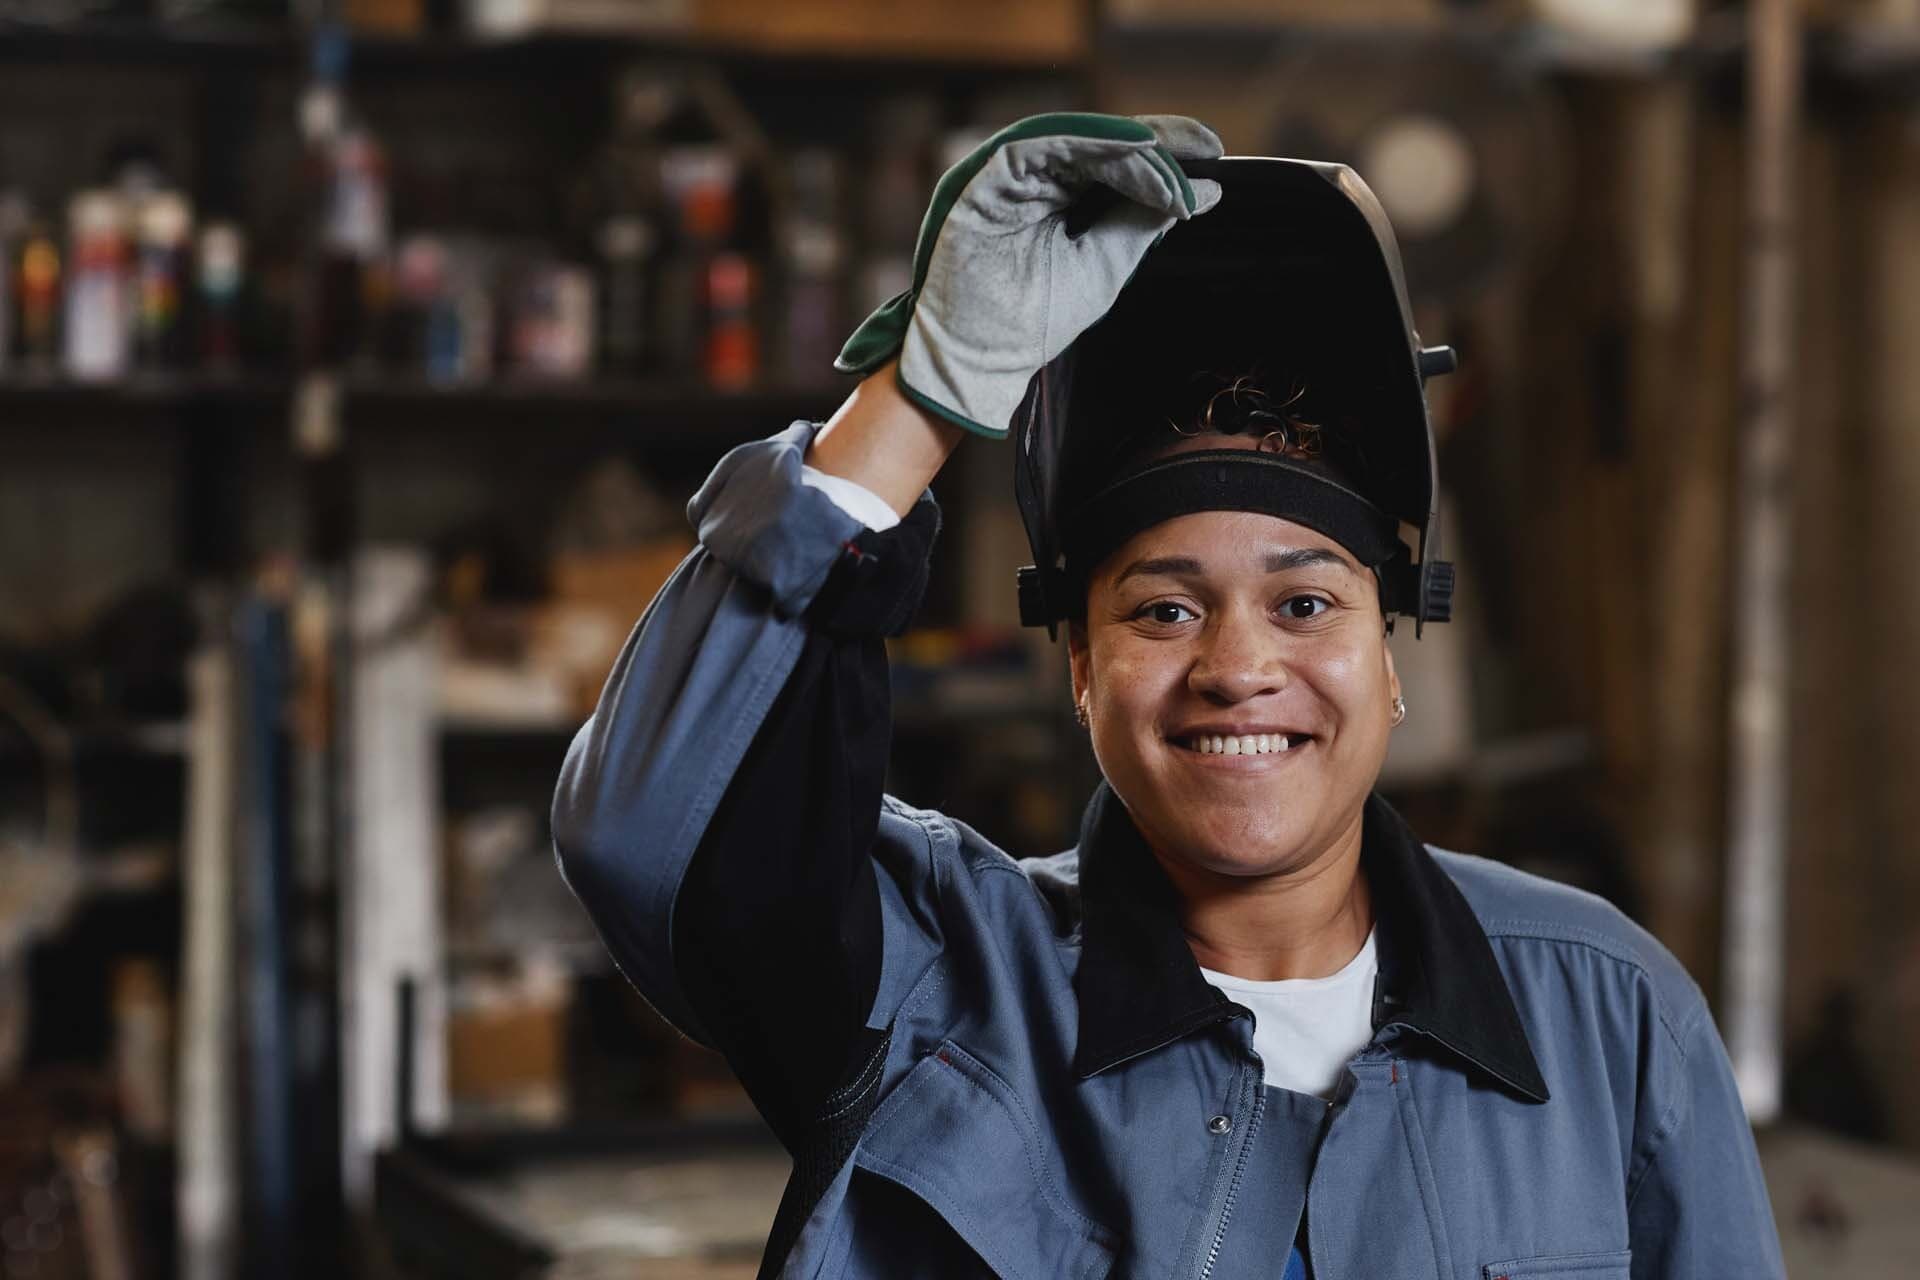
1593	940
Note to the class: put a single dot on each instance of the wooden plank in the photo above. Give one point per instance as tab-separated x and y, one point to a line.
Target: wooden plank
1015	29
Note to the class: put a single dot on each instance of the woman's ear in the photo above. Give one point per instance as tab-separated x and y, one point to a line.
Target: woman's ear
1393	677
1078	660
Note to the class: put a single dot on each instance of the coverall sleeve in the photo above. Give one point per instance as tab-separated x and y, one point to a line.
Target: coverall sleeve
716	813
1700	1208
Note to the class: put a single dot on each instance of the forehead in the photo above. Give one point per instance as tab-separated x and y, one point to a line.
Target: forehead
1221	542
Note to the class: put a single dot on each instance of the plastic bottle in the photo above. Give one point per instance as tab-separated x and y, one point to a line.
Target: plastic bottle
97	329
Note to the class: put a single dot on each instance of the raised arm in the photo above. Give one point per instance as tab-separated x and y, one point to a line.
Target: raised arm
717	812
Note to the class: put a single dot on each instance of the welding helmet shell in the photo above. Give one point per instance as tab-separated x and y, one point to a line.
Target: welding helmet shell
1295	269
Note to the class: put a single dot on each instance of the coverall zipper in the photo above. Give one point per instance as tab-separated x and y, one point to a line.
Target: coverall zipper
1239	1166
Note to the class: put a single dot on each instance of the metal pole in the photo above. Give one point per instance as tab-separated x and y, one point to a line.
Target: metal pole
1756	864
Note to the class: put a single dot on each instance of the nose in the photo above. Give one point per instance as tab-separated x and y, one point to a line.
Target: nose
1238	657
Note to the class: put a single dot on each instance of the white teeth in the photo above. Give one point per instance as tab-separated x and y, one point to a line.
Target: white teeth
1249	744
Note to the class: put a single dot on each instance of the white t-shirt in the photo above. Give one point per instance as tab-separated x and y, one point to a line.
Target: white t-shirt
1306	1030
852	497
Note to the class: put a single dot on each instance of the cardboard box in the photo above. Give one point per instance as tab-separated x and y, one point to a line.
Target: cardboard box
506	1046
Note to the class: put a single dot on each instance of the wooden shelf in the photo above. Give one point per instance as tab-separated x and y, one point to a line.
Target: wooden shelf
257	47
140	393
667	412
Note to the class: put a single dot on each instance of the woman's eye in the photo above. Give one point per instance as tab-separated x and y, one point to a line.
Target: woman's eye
1305	606
1166	611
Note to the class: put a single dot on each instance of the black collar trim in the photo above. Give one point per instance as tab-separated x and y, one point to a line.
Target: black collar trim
1139	986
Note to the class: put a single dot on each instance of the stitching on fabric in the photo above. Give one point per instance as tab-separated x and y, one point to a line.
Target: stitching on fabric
1661	1132
897	1099
1046	314
1546	1264
1094	1233
1011	1102
1575	936
1436	1230
855	1093
916	995
921	819
1011	869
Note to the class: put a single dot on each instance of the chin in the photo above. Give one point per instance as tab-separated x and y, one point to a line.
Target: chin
1234	848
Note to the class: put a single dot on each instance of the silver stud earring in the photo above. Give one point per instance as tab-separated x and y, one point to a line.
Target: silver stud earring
1080	713
1399	709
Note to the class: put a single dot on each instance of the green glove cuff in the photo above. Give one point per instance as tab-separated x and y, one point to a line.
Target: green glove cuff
878	337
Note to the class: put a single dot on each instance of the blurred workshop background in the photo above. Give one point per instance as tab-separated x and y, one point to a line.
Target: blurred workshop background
357	358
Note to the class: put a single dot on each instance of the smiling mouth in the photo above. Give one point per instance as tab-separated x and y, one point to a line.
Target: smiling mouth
1246	744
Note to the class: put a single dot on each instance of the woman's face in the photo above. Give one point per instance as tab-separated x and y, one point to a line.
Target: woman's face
1224	632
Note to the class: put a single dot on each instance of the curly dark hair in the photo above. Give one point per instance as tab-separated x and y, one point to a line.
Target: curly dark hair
1291	424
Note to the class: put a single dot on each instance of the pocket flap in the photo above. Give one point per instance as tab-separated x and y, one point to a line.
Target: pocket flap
955	1134
1563	1266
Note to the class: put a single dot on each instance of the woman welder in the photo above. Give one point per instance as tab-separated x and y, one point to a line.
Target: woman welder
1250	1026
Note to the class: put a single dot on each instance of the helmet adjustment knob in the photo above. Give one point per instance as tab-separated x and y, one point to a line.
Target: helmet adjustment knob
1439	591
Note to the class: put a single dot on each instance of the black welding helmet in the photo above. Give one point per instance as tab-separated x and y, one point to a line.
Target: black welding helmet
1295	275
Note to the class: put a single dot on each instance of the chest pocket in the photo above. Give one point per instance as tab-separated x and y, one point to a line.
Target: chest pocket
956	1137
1564	1266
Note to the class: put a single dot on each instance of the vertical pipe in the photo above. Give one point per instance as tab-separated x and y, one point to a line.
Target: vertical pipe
208	1194
1756	865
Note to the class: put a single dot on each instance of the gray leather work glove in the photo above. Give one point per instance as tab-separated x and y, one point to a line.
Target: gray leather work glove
999	286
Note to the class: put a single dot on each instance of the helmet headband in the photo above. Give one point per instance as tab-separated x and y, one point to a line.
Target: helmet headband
1228	480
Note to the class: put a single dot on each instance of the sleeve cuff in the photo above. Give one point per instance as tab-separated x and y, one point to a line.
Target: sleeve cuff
852	497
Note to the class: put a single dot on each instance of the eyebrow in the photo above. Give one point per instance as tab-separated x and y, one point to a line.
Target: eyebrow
1276	562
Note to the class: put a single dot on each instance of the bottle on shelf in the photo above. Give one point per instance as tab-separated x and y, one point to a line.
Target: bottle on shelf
220	278
162	232
96	332
731	359
552	320
37	279
626	244
15	215
812	257
618	219
353	239
711	282
699	180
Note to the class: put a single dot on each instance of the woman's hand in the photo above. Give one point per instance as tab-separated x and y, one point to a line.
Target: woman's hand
1002	283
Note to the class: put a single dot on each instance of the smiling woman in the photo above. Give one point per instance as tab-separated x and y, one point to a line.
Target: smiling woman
1250	1026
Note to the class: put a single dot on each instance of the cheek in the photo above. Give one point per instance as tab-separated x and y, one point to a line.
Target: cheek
1127	672
1354	681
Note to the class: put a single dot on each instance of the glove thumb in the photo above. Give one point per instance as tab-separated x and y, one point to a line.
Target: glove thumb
1184	137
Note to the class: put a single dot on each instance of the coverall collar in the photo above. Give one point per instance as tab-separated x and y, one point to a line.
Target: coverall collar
1139	986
